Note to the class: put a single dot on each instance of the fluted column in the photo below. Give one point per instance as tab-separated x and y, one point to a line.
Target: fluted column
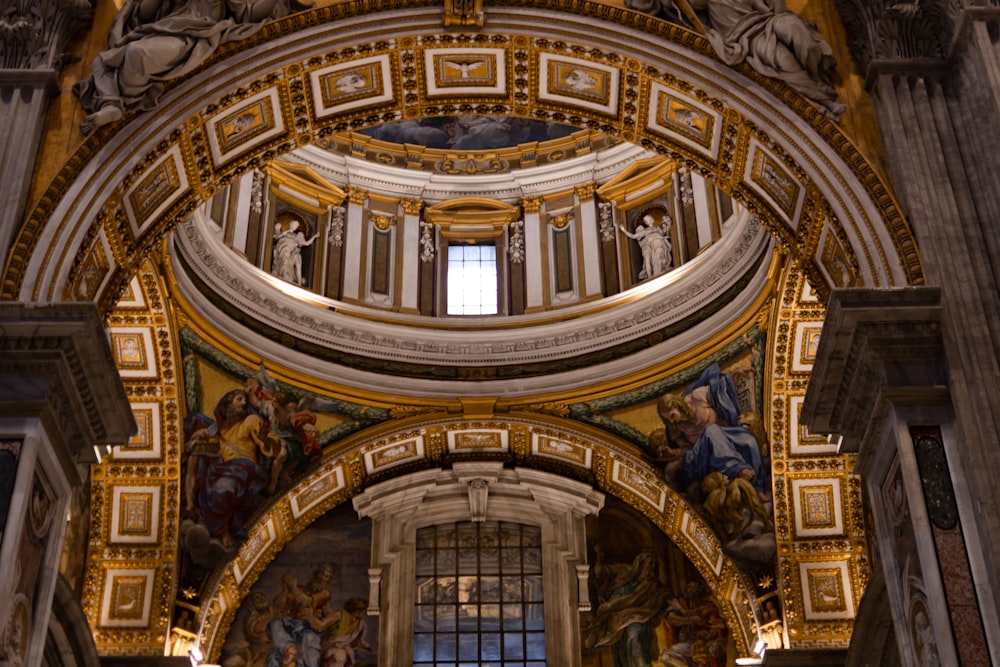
60	397
935	81
33	36
588	227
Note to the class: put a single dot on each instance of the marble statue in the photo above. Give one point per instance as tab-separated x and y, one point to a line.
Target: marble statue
286	262
654	243
773	40
154	41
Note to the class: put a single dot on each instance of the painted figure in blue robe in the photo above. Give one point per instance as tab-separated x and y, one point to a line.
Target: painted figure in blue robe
705	424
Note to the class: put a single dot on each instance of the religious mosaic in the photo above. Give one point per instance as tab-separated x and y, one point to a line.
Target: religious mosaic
309	608
649	606
247	437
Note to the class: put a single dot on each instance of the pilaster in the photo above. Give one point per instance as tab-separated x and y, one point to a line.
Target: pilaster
33	36
881	383
61	398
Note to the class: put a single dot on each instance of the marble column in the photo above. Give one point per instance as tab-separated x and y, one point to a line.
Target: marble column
933	70
881	383
61	402
33	36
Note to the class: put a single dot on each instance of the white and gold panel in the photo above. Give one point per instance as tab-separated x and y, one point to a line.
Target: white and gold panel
155	190
245	125
801	442
826	590
675	116
478	440
352	85
805	346
554	448
145	444
641	484
465	71
135	514
134	352
577	82
818	507
128	596
703	540
389	455
132	297
262	536
329	482
808	295
772	180
835	261
94	271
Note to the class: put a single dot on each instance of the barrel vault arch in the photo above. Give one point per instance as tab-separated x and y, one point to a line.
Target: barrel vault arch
130	184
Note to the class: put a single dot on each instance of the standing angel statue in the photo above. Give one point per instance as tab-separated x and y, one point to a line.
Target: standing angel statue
654	243
287	257
154	41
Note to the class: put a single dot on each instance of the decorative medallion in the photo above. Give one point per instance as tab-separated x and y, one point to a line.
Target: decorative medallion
383	457
135	514
127	597
133	348
145	444
772	180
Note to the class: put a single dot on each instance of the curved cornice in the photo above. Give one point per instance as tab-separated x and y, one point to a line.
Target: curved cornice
675	312
755	138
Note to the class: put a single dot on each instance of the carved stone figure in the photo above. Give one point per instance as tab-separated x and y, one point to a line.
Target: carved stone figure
773	40
287	259
654	243
154	41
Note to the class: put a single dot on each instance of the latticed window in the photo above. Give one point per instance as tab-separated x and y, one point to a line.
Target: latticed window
479	596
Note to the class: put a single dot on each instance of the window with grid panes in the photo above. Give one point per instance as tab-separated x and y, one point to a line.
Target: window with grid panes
472	280
479	596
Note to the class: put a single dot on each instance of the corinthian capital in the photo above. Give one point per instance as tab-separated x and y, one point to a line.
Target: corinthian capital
34	33
899	30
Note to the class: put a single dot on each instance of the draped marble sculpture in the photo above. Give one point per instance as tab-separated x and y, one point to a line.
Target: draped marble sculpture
154	41
771	39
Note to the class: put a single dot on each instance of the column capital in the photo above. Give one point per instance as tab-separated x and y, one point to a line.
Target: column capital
585	192
412	206
356	195
56	365
38	32
878	346
531	204
897	34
